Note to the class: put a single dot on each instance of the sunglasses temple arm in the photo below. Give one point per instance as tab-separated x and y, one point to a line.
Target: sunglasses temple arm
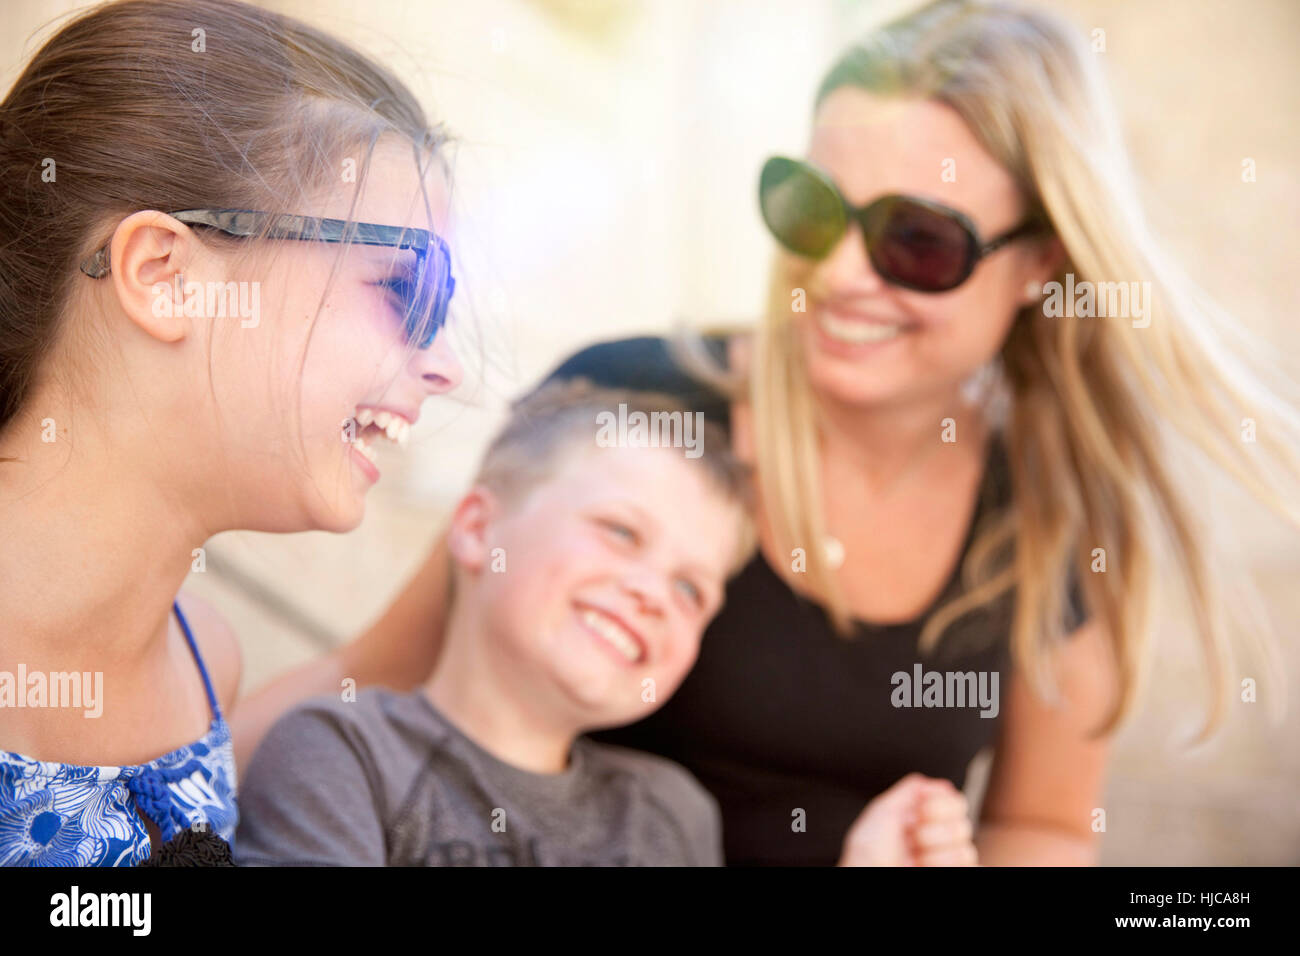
1026	229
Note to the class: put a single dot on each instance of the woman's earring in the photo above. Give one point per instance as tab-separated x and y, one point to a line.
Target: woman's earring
834	552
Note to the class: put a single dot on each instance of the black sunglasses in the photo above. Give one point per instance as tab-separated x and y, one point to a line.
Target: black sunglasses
913	243
426	292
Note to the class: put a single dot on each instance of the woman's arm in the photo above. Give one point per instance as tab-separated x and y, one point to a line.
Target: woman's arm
1048	775
398	651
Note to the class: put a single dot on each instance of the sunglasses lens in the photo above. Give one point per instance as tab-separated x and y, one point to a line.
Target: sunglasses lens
430	295
922	248
803	211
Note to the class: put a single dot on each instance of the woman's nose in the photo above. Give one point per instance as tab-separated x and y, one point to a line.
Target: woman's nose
848	269
438	366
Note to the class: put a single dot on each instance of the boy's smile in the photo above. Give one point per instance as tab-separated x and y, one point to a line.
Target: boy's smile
610	631
614	565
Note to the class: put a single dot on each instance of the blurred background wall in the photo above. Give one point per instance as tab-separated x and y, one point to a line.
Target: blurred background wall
605	176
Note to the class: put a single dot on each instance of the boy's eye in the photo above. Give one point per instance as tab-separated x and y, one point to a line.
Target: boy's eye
620	530
693	594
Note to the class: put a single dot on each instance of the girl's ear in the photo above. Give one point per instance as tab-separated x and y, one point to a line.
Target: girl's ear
149	251
468	537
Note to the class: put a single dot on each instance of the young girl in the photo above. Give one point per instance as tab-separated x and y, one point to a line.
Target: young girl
963	164
221	282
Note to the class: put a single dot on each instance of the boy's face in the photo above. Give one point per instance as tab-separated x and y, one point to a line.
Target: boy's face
613	567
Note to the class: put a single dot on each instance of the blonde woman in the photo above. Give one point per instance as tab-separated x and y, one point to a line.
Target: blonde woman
943	458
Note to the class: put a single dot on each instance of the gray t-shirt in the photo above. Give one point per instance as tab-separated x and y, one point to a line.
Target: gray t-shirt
387	780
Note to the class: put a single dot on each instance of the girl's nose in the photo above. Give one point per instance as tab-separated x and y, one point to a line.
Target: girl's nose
438	366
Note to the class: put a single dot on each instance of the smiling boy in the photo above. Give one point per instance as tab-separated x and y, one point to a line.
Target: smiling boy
583	578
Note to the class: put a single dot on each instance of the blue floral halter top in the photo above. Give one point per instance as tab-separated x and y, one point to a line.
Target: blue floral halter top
57	814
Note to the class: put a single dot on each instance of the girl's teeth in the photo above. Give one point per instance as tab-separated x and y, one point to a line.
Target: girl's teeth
394	427
360	445
857	333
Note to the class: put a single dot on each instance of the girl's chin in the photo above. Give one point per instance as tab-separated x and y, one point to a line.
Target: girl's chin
344	517
347	509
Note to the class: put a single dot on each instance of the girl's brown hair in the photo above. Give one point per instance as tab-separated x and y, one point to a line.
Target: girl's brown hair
169	105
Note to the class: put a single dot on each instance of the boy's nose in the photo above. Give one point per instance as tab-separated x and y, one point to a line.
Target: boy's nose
647	590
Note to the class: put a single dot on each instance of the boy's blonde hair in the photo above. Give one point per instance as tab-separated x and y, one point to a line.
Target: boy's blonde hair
558	418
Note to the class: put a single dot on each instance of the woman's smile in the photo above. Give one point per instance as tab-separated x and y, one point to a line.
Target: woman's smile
850	334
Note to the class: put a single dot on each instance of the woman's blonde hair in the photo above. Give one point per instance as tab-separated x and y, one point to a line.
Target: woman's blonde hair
1098	407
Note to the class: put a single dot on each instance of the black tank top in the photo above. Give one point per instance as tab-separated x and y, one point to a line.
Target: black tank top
782	719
